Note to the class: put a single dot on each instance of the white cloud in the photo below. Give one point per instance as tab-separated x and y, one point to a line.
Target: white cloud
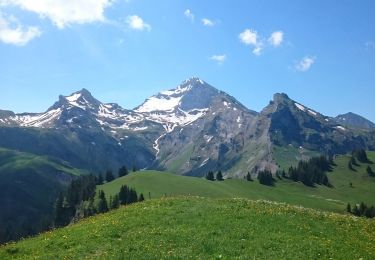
220	59
12	32
136	23
305	64
189	14
249	37
257	50
64	12
207	22
276	38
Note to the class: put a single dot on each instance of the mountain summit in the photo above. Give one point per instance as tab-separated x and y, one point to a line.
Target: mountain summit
190	129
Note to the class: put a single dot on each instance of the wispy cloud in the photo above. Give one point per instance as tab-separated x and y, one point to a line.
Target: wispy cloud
220	59
136	23
64	12
12	32
305	63
208	22
276	38
189	15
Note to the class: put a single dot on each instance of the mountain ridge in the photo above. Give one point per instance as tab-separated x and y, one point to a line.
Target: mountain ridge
191	129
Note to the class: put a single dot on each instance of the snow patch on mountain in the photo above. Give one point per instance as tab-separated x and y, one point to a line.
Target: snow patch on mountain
300	107
37	120
163	103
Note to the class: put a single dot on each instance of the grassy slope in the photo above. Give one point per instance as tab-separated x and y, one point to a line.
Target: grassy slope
205	228
29	185
330	199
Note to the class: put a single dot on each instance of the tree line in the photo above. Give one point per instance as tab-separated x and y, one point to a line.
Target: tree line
211	176
80	200
361	210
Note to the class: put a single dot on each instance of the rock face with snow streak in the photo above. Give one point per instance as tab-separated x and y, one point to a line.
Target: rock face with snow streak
291	123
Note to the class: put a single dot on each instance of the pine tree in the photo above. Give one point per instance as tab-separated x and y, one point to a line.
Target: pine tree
210	176
102	204
99	179
265	178
349	208
123	194
362	208
219	176
123	171
115	203
141	198
109	176
356	211
248	177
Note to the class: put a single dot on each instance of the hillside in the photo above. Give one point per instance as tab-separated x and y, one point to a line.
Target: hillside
205	228
29	185
160	184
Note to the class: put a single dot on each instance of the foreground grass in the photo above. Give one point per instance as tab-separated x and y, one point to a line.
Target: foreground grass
205	228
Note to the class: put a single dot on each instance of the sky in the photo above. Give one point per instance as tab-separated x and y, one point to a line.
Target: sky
321	53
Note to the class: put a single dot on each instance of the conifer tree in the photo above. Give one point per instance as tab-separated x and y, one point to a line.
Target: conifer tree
99	179
123	171
349	208
210	176
219	176
102	204
109	176
123	195
141	197
115	203
248	177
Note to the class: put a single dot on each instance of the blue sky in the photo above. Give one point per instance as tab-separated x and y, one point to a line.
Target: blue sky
321	53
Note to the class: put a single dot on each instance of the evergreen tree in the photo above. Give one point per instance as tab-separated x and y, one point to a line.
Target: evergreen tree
109	176
265	178
132	196
248	177
102	203
115	203
362	208
141	198
219	176
123	171
361	155
349	208
123	194
62	211
356	211
90	210
210	176
100	179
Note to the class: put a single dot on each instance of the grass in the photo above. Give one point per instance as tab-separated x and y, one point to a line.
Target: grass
204	228
29	185
155	184
290	156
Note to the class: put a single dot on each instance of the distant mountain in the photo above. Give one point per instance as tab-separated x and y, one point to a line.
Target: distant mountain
189	130
353	120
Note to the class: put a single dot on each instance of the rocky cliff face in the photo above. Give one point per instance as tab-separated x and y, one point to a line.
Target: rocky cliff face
189	130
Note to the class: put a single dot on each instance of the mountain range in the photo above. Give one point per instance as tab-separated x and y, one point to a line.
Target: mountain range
187	130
